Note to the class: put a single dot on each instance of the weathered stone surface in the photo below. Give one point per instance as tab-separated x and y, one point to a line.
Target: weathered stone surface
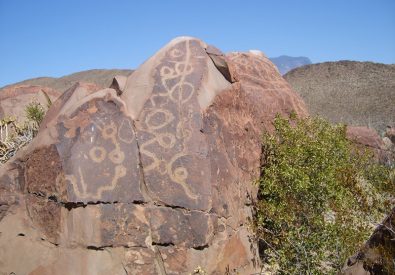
390	133
153	176
119	83
69	98
368	138
14	99
378	254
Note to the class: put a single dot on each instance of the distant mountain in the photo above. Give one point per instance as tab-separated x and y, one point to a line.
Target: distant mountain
102	78
286	63
355	93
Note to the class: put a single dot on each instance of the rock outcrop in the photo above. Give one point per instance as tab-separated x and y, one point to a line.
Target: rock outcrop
14	99
378	254
368	138
152	177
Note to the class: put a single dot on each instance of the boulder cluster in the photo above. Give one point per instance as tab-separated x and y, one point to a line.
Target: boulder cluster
153	175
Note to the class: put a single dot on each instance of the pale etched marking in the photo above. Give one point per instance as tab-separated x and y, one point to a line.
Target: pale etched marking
97	154
126	127
179	174
116	156
159	117
168	118
108	131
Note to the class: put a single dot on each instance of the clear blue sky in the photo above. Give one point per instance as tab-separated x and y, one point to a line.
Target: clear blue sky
59	37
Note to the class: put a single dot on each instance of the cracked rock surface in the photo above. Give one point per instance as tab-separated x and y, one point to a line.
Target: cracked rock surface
154	176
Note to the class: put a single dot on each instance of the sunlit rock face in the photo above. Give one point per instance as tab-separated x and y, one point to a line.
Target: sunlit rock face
15	98
154	176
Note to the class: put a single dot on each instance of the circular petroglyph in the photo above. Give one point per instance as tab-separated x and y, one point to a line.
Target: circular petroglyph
166	140
116	156
176	53
97	154
180	174
109	131
166	72
159	118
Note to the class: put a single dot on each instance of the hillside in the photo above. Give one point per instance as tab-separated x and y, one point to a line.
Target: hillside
101	78
286	63
355	93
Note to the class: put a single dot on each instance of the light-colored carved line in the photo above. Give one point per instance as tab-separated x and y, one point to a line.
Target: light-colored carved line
120	172
129	127
116	156
181	180
179	174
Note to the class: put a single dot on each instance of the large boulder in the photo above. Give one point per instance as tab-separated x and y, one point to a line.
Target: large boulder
155	177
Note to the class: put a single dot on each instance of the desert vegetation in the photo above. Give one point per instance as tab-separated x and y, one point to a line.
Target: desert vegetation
319	197
15	135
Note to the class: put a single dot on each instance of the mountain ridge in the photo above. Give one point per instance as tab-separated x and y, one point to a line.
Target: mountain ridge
285	63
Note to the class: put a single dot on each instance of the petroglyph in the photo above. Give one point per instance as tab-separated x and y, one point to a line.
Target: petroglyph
166	124
102	151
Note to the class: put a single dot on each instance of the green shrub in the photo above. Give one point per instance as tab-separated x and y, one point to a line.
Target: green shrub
319	196
35	112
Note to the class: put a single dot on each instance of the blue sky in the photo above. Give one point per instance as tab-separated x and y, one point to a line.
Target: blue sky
55	38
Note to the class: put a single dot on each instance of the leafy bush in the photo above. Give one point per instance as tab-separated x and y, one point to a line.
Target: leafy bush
35	112
319	197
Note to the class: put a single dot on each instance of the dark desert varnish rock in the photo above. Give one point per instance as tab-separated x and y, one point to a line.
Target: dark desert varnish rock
151	177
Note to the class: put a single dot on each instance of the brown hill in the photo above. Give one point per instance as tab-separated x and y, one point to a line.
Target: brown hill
102	78
355	93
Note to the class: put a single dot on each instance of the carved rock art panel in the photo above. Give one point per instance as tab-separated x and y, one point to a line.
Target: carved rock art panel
100	157
171	144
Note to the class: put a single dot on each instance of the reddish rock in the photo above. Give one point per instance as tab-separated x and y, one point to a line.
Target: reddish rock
390	133
364	136
368	138
14	99
153	176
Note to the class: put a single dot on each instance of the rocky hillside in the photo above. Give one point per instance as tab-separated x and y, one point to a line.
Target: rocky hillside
285	63
356	93
101	78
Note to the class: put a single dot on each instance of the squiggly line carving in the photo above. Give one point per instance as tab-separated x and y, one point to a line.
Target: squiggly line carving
180	93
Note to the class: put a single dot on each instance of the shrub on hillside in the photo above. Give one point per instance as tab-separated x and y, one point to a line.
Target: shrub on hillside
319	197
14	136
35	113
